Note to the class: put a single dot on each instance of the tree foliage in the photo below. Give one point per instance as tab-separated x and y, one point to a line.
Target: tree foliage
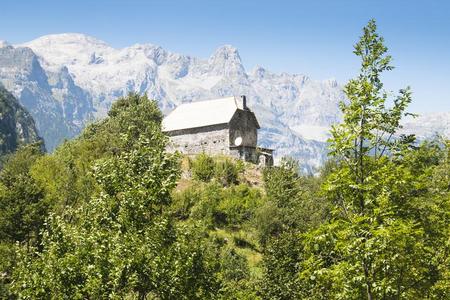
121	242
22	209
387	236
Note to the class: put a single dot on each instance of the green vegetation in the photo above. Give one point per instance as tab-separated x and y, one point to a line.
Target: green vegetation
110	214
387	233
221	169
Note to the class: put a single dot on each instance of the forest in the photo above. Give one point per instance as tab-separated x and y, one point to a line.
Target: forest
111	214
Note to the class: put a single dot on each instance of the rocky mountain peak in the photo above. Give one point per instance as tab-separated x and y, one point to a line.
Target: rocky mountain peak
226	60
75	39
226	52
17	127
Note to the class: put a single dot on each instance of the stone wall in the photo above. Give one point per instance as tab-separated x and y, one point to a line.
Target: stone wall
220	138
260	156
209	139
244	125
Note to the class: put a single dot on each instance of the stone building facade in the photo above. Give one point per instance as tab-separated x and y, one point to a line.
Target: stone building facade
221	126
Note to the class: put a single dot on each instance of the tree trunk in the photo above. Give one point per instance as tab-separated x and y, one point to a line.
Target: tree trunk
368	283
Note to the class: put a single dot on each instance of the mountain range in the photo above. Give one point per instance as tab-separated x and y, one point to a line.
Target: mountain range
68	80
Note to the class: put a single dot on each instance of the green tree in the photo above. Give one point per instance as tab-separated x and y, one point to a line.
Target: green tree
120	243
281	182
22	208
234	274
65	175
22	211
387	237
360	188
293	202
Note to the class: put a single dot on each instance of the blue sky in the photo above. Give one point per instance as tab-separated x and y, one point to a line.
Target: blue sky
310	37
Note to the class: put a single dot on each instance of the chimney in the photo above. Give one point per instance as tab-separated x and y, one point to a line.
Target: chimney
244	102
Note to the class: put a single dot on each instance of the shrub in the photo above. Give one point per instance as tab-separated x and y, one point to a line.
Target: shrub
182	202
226	172
203	167
234	266
216	206
235	276
239	204
206	207
267	222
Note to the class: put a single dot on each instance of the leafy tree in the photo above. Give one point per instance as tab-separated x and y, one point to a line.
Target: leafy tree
234	274
65	175
281	183
22	211
283	190
22	208
293	203
363	189
386	235
281	268
121	242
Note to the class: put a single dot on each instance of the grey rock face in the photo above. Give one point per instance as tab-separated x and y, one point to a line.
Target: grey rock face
17	127
59	107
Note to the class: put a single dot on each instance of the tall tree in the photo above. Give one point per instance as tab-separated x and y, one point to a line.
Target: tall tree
362	141
387	235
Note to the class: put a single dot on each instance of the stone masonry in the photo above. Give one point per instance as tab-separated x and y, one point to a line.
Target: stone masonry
222	126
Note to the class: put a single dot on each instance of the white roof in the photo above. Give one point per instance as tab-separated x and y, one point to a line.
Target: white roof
202	113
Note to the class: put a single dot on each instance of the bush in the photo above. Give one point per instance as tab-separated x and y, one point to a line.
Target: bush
235	276
206	207
239	204
226	172
267	222
216	206
203	167
182	202
234	266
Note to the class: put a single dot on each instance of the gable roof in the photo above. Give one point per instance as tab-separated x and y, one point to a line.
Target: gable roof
202	113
